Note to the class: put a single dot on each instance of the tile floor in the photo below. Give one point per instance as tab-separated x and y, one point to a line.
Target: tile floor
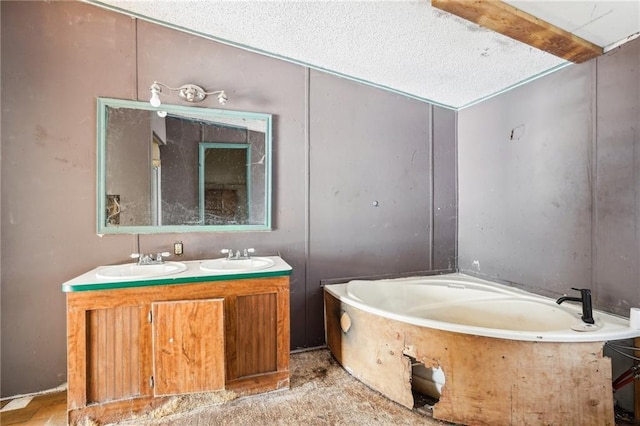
47	409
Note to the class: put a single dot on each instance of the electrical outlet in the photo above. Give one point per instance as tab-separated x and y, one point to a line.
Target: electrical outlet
178	248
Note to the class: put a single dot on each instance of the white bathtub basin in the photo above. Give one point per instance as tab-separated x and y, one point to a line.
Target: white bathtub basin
506	313
132	271
464	304
225	265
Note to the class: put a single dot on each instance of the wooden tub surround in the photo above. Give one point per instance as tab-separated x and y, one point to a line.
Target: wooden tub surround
133	345
489	381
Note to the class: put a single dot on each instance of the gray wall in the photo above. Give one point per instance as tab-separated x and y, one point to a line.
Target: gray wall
616	233
525	203
371	180
549	186
338	146
549	182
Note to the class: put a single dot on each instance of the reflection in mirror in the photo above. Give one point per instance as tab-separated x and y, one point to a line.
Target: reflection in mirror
184	169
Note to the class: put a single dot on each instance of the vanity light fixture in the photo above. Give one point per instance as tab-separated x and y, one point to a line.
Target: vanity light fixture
188	92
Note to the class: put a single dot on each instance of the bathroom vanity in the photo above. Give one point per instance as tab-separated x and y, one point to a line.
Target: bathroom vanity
134	342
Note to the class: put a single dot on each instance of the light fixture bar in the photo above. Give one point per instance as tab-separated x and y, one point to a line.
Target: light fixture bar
187	92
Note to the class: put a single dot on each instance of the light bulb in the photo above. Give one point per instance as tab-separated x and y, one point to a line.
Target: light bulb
155	99
162	114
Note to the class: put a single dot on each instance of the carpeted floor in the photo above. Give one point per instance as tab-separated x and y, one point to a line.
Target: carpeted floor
321	393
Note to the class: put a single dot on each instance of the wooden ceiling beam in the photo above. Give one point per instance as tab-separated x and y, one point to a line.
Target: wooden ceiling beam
512	22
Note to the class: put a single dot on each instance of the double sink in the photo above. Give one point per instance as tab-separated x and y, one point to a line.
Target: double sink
133	271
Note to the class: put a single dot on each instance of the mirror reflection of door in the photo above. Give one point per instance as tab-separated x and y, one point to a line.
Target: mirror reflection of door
224	177
156	179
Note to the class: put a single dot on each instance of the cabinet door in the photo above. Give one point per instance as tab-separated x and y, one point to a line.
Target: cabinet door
116	342
253	335
188	346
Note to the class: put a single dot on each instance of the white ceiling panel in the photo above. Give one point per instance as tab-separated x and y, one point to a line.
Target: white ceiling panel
604	23
404	46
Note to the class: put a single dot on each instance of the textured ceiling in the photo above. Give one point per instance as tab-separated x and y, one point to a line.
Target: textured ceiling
408	47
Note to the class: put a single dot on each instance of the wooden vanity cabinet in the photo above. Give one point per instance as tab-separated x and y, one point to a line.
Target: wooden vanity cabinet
129	349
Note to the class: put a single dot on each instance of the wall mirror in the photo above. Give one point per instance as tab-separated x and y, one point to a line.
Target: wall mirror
182	169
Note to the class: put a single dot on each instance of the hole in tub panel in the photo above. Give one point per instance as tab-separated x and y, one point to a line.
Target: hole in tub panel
426	385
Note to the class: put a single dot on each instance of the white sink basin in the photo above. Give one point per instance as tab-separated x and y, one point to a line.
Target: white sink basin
230	266
134	271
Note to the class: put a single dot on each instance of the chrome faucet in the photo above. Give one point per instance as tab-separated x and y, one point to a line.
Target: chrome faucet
150	259
237	255
585	299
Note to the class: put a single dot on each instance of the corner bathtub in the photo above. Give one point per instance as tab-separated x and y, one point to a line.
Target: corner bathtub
501	351
464	304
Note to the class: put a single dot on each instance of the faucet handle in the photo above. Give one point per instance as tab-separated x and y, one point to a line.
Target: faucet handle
159	257
587	308
135	255
225	251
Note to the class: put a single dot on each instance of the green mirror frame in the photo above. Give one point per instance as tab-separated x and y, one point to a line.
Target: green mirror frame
224	118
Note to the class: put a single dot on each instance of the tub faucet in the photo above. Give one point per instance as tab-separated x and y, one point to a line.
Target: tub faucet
585	299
